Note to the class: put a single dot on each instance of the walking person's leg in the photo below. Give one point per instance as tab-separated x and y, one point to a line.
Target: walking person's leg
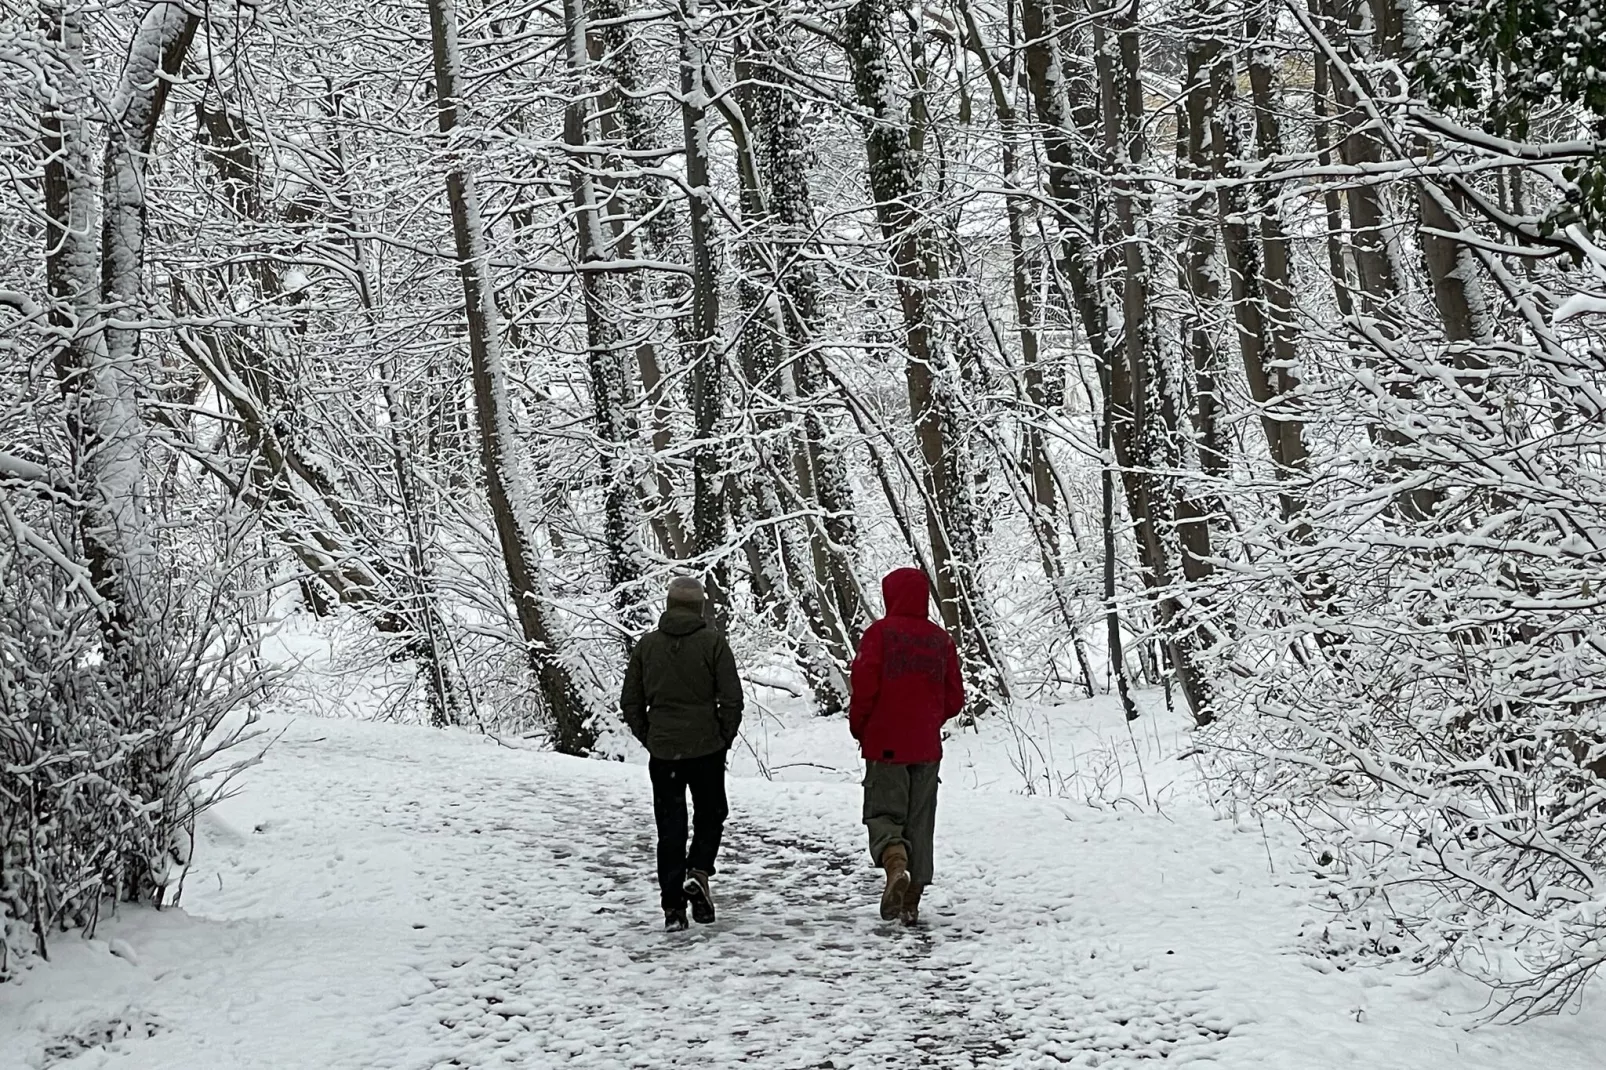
669	811
706	778
920	832
886	815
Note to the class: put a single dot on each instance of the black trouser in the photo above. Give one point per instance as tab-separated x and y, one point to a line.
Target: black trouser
705	777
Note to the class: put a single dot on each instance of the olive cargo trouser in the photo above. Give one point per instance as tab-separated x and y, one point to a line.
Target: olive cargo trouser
900	806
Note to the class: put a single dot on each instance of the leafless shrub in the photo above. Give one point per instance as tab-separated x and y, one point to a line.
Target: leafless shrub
105	761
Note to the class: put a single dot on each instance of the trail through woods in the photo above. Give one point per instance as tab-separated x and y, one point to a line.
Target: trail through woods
382	896
1257	351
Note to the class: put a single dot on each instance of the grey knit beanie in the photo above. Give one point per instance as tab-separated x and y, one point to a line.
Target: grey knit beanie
686	591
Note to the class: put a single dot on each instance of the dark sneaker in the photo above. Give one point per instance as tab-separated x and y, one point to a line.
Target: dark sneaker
700	898
675	921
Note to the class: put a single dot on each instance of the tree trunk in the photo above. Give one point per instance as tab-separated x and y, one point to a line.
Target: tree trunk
1145	407
624	117
1099	113
574	729
764	349
626	559
1042	480
1380	277
781	154
1204	56
1321	133
96	361
1261	288
914	255
702	343
1278	379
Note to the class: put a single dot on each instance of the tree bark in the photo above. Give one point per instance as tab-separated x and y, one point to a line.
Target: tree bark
1262	289
1204	56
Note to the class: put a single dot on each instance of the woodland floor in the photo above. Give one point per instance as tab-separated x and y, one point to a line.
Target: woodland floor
384	896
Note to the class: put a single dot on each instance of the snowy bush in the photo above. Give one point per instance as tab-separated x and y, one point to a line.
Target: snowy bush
104	760
1434	716
1468	815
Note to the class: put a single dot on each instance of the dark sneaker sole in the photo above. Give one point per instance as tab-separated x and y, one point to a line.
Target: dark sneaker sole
702	907
892	898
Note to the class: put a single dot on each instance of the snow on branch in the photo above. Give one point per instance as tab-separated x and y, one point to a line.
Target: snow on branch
16	469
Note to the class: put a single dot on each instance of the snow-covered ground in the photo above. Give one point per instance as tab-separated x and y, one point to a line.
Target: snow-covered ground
390	896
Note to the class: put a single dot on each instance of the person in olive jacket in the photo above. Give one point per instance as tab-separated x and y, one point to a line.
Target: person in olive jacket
683	700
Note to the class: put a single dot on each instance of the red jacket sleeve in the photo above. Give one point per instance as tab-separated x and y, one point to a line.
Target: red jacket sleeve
954	699
865	683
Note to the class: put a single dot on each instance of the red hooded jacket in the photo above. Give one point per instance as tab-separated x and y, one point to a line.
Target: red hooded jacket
906	679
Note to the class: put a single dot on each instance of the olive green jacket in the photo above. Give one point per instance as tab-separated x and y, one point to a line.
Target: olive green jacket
681	696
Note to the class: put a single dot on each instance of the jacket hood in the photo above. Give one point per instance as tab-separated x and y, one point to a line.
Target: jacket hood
681	620
906	593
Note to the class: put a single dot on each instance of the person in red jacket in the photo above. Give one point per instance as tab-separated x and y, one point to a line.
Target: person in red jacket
905	685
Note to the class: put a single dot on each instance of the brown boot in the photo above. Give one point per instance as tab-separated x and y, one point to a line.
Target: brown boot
895	860
910	914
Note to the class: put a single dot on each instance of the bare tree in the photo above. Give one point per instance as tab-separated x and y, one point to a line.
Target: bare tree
914	256
574	724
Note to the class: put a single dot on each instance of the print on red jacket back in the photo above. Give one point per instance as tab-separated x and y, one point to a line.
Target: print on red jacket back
923	654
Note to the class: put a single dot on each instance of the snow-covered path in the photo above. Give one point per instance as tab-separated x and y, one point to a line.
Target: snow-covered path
393	897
